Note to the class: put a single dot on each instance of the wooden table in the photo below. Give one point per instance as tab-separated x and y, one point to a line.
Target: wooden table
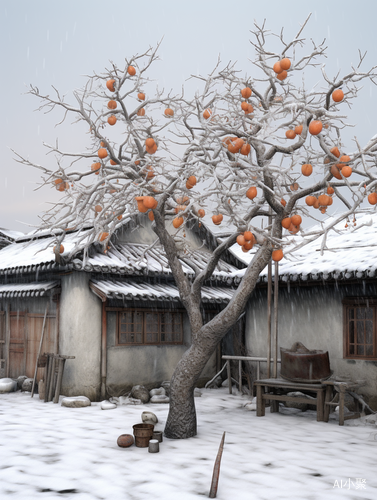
267	390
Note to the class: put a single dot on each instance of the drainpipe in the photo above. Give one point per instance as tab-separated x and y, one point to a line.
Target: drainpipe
103	351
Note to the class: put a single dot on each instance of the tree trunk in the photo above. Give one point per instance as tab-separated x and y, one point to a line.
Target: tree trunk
181	422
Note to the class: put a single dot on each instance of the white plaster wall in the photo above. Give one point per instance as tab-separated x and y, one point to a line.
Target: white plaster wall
313	316
146	365
80	336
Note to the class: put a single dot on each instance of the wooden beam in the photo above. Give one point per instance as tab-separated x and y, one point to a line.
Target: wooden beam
276	298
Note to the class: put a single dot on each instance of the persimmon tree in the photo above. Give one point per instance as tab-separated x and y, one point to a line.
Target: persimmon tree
258	154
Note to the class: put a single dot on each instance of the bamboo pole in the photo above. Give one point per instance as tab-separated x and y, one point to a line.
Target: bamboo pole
216	470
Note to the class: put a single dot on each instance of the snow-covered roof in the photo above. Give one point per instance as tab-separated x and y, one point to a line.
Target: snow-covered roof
132	290
136	258
38	289
30	255
13	235
126	258
349	253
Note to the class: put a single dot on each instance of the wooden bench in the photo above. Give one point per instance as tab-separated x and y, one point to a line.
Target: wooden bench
267	388
335	395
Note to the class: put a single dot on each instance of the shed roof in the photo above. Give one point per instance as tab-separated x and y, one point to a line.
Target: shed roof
37	289
30	255
131	290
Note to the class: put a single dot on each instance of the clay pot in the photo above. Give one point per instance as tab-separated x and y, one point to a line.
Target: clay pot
125	440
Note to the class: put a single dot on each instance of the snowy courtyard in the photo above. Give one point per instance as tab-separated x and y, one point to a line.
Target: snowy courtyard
49	451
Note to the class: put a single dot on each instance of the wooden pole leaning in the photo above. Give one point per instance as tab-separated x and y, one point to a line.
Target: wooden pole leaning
39	351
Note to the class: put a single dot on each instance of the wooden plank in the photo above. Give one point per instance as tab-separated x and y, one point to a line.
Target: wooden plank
249	358
296	399
17	348
286	384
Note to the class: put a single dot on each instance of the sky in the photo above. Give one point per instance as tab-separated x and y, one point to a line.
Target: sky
46	44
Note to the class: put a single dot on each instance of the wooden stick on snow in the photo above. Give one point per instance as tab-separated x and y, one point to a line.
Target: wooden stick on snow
216	470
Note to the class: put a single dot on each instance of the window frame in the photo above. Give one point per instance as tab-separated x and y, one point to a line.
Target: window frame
157	333
353	303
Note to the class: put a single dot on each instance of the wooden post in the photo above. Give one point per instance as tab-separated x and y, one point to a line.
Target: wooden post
39	351
52	379
261	403
342	391
56	346
276	291
229	376
47	368
269	294
61	362
216	470
240	375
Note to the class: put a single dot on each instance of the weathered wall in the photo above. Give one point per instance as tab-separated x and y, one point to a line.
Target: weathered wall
313	316
80	336
35	305
146	365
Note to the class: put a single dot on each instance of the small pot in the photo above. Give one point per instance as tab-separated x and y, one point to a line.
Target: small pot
143	433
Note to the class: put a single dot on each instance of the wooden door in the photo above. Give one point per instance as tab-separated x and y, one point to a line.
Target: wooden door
34	332
17	347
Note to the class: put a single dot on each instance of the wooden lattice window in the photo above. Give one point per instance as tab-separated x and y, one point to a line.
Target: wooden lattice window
138	327
131	327
360	328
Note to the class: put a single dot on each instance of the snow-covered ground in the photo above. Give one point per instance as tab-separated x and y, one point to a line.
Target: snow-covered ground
48	451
